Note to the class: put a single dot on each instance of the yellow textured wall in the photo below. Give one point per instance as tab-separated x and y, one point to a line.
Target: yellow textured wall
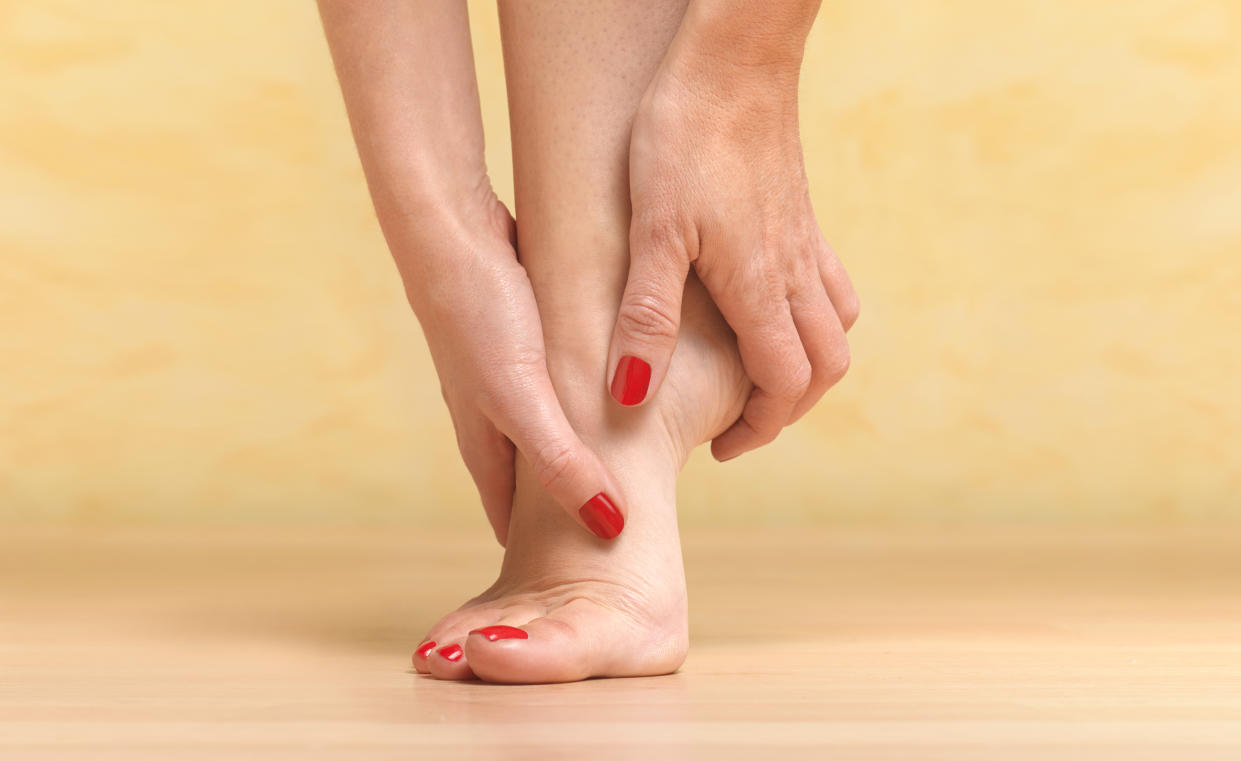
1040	203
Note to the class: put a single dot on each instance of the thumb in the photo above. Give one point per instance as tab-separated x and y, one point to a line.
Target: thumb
650	314
570	471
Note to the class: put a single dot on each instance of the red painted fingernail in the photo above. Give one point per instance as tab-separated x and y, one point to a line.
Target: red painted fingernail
451	652
500	631
425	649
602	517
632	378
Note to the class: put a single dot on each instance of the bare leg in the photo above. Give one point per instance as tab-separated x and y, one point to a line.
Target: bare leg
576	71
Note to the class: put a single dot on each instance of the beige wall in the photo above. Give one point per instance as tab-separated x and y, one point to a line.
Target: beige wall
1040	203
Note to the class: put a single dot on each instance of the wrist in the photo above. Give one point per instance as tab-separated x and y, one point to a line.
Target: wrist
748	33
412	192
440	242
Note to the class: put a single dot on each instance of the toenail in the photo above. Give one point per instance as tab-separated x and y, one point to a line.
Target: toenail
602	517
425	649
451	652
632	378
500	631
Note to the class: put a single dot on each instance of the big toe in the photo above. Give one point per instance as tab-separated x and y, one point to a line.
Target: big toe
578	641
442	653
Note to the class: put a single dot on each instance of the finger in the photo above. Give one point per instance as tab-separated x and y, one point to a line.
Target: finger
488	455
570	472
774	358
646	328
823	337
838	285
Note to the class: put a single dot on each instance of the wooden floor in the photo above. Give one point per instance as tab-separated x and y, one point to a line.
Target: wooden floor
834	643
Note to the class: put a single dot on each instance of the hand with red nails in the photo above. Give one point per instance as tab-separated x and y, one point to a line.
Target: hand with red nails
413	104
482	325
718	184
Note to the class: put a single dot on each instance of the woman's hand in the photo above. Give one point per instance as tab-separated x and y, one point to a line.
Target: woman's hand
478	313
717	182
407	73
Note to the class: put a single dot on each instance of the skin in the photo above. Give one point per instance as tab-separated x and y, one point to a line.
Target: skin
592	608
718	185
407	73
583	70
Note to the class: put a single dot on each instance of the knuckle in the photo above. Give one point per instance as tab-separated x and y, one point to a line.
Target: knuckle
647	316
794	381
467	456
764	426
477	452
506	389
493	404
761	289
850	311
524	359
767	433
659	233
461	432
553	462
838	364
765	430
769	282
477	464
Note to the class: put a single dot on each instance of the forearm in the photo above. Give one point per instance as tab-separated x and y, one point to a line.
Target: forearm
406	70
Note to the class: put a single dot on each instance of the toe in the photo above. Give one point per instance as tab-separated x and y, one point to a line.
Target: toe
551	651
578	641
442	654
421	653
449	662
451	628
501	631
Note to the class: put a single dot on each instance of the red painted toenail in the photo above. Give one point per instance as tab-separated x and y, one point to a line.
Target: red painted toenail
451	652
425	649
632	378
602	517
500	631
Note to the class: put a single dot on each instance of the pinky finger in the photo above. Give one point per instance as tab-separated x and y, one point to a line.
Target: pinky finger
822	334
838	285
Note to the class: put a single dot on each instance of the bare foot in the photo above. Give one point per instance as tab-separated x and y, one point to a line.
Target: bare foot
567	606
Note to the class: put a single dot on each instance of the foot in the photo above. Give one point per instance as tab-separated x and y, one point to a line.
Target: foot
568	606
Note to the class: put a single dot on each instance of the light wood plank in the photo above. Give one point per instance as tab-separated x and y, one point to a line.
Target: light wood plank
872	643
